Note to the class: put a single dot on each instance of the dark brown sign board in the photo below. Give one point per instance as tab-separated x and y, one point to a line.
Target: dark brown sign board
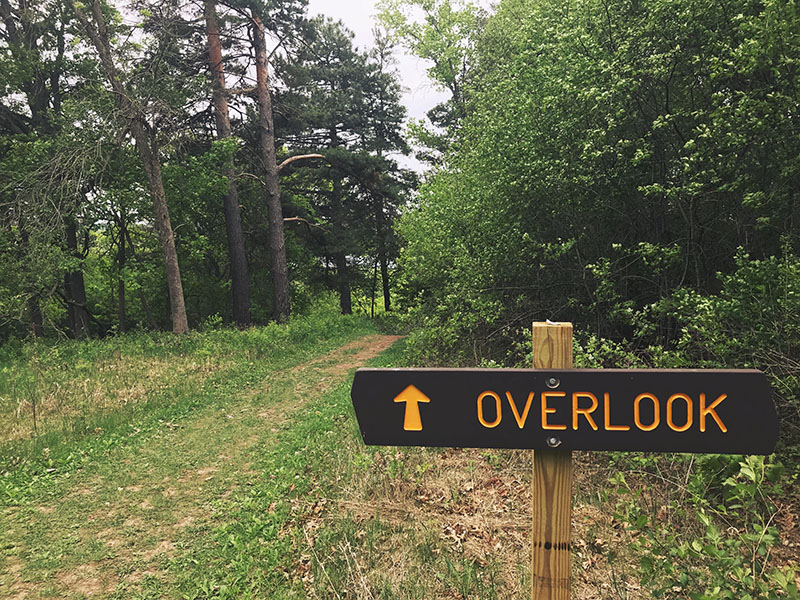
674	410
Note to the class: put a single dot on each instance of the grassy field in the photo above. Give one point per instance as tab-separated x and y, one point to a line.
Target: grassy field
95	505
63	402
228	464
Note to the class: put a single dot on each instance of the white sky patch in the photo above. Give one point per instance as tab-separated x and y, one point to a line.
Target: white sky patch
420	95
360	17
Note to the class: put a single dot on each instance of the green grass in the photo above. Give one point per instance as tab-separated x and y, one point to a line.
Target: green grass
93	395
136	497
241	493
255	551
247	478
287	536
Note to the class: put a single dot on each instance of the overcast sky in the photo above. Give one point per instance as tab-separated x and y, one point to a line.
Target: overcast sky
359	16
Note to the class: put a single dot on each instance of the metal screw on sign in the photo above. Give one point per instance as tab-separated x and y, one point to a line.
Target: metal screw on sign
553	442
552	383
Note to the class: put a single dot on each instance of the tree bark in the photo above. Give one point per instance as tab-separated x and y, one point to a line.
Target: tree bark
339	239
340	258
277	243
122	258
374	285
240	279
387	301
343	282
380	226
35	316
148	150
152	167
75	289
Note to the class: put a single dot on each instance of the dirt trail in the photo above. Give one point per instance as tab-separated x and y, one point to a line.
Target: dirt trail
123	517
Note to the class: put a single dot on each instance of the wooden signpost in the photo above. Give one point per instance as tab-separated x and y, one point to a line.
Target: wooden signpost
551	484
554	409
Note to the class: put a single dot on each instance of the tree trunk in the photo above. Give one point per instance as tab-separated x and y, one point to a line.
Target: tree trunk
340	257
148	153
277	243
387	302
152	167
75	289
380	227
35	315
121	260
374	285
343	282
240	282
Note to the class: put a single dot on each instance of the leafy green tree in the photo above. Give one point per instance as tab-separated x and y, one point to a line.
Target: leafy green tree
149	150
612	153
284	21
96	124
389	185
39	72
444	33
240	283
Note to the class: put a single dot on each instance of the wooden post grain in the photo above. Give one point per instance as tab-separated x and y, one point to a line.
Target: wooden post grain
552	482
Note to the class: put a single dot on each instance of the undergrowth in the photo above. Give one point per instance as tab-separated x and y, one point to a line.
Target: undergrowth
704	527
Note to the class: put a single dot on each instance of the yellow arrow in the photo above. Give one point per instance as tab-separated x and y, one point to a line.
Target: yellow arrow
412	397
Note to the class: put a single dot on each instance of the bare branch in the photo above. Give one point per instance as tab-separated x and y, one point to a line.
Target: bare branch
292	159
302	220
251	176
240	91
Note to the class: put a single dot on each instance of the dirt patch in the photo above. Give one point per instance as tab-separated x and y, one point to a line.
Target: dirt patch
788	521
138	576
354	354
17	588
109	537
134	522
198	475
452	502
184	522
472	506
85	579
99	514
596	538
328	371
166	547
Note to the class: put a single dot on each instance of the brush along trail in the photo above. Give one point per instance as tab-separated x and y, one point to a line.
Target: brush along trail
121	521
